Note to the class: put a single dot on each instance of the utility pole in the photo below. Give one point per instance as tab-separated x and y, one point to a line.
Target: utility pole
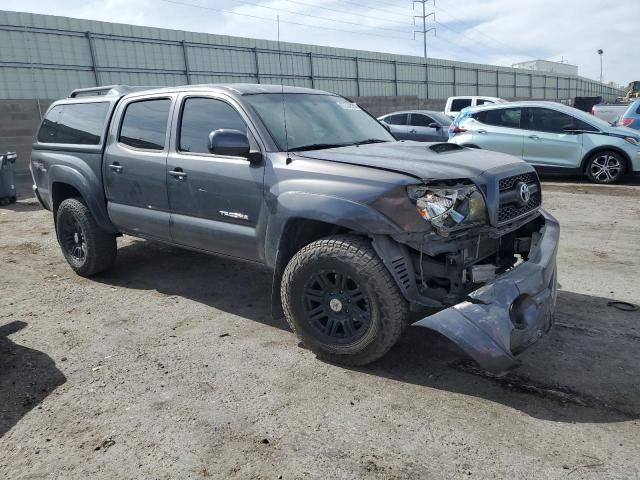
424	17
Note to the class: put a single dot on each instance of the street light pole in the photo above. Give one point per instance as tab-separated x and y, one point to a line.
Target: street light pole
600	52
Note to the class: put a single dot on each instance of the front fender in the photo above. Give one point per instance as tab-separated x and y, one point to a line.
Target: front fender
337	211
85	181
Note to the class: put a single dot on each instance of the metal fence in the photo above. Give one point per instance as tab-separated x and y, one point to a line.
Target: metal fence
44	57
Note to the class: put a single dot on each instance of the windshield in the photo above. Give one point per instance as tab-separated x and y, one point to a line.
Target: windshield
315	121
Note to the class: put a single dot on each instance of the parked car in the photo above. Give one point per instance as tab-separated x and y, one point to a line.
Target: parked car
631	117
552	137
609	112
357	227
455	104
419	125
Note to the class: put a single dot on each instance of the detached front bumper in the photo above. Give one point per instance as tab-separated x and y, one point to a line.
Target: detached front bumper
509	314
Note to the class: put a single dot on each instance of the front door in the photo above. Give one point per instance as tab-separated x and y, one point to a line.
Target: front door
546	141
215	200
420	128
135	166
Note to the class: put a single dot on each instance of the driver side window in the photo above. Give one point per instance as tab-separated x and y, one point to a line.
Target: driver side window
201	116
419	120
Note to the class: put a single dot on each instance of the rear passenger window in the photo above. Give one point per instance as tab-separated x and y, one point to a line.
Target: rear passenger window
200	117
399	119
501	117
77	123
482	101
459	104
145	124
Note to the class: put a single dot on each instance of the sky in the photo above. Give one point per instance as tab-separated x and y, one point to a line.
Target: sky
498	32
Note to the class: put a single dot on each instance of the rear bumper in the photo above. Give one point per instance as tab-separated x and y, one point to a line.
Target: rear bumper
483	327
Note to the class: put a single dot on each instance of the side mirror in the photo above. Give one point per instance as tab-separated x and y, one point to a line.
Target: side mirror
229	143
434	125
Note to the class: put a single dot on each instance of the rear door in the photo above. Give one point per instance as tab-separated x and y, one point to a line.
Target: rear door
498	129
215	200
135	166
398	123
420	129
546	143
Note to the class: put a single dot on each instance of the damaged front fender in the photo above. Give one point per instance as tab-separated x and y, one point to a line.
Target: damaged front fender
511	313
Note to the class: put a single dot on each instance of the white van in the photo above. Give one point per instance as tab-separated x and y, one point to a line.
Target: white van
455	104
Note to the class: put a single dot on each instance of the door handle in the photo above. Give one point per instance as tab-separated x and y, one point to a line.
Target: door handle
412	131
482	131
534	137
116	167
177	173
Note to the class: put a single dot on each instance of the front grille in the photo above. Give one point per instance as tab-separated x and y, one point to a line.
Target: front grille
509	182
511	205
513	211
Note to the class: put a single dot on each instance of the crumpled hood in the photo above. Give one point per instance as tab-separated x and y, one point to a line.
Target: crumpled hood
419	159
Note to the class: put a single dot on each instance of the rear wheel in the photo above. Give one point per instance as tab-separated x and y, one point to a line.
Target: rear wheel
341	301
87	248
605	167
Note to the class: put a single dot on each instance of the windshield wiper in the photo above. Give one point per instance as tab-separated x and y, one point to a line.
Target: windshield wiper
370	140
317	146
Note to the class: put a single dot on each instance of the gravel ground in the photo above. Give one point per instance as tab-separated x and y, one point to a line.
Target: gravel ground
170	366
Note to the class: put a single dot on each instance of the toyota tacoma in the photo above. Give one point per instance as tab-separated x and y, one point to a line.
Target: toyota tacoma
362	232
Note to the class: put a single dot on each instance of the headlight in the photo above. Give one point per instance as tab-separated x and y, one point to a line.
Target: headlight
450	208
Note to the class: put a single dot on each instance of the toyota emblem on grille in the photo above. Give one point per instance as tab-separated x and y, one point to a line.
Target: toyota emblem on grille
525	193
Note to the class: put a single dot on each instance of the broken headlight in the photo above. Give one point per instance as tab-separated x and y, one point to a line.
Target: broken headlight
450	208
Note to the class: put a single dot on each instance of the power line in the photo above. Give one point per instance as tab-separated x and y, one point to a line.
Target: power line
323	27
474	28
385	10
347	13
310	16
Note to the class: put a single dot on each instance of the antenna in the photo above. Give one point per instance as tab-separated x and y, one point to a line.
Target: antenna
284	106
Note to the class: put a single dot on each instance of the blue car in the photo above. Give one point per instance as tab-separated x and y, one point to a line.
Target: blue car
631	117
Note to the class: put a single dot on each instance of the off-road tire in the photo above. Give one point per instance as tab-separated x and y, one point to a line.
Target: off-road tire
591	168
99	246
388	309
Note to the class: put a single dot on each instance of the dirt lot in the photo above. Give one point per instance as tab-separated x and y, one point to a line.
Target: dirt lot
170	367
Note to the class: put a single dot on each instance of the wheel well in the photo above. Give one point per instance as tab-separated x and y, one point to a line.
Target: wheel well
297	233
300	232
625	157
471	145
60	192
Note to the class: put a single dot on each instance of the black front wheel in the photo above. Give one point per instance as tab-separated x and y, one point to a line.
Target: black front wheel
341	301
87	248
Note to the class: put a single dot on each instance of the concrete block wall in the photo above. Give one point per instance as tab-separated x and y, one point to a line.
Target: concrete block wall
381	105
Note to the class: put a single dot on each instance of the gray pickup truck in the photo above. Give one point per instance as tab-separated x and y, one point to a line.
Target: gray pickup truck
359	229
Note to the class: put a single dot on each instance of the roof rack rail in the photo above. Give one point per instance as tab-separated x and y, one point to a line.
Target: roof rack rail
107	90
